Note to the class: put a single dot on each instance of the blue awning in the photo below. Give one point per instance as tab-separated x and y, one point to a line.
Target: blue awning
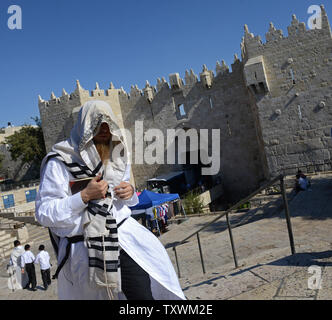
148	199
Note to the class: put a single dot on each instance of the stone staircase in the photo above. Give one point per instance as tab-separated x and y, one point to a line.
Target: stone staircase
37	235
6	243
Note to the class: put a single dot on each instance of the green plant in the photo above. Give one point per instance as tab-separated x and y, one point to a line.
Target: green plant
192	203
244	206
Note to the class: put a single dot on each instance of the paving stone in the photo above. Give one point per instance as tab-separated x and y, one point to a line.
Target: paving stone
264	292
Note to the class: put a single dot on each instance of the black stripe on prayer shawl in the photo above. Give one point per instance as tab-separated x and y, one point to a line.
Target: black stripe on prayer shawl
81	173
74	165
101	261
97	168
107	248
103	207
100	239
111	266
112	230
101	213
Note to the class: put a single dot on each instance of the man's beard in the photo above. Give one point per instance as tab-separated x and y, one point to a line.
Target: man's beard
104	151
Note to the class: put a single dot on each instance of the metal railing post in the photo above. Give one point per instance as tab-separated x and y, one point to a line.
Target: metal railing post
200	252
177	262
289	225
232	242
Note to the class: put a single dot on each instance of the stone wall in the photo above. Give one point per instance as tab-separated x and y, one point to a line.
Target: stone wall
294	117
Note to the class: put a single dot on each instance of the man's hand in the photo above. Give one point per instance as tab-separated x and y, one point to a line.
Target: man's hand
124	190
95	190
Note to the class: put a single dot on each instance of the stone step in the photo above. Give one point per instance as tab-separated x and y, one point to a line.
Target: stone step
5	254
2	232
35	229
7	247
38	235
41	239
9	239
4	237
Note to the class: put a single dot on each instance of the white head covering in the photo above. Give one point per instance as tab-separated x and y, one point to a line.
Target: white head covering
80	148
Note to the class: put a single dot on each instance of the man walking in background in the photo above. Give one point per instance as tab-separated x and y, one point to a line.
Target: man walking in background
43	259
16	279
27	264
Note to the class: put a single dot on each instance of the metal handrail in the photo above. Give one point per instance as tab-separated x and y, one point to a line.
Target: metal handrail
235	206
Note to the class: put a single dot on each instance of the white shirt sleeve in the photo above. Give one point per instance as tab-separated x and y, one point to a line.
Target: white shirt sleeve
134	199
22	261
37	258
55	206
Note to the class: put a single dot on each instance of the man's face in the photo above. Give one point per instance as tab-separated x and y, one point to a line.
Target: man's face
103	136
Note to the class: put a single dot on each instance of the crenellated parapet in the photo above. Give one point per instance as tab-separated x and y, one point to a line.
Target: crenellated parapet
80	95
206	77
190	77
149	92
296	27
162	84
222	68
273	34
97	92
252	45
135	92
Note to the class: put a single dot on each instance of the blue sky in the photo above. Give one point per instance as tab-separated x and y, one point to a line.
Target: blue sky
126	42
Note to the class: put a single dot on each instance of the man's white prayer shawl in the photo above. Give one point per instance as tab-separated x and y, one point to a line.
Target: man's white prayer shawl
80	156
57	209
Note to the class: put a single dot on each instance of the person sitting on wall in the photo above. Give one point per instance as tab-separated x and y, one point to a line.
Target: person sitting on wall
302	182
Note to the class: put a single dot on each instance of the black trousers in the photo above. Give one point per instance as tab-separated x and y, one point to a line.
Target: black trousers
46	277
30	269
135	282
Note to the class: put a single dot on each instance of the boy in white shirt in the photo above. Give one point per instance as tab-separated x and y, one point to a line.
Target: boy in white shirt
27	264
43	258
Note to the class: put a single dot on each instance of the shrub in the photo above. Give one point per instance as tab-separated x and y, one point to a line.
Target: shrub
192	203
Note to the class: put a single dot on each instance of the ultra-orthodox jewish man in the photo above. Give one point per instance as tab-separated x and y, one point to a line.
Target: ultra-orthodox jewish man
83	198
